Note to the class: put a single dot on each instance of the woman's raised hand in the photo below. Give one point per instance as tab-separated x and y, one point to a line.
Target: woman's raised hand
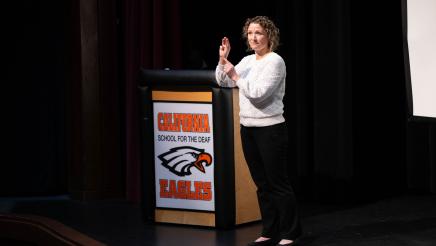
224	50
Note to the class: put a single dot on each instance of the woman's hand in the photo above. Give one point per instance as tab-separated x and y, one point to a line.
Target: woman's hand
224	50
229	69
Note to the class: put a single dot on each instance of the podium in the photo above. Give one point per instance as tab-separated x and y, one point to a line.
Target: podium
193	167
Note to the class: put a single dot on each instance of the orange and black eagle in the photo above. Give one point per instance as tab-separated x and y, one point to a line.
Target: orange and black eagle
179	160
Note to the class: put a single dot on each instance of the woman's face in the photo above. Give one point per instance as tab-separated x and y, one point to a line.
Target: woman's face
257	38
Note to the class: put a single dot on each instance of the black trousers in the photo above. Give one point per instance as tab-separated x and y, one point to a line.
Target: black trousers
265	150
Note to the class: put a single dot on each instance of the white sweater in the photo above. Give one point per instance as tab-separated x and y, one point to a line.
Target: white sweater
261	89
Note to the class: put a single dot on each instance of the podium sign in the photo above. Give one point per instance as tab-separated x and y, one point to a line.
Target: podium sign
184	155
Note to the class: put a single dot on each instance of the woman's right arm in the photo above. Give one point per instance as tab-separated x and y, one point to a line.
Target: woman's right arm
221	77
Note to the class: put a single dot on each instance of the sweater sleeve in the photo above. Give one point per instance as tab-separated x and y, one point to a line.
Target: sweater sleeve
222	78
262	86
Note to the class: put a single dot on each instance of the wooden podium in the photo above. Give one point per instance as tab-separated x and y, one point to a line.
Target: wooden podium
193	167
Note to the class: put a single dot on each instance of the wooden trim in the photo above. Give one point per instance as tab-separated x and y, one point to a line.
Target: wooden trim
182	96
185	217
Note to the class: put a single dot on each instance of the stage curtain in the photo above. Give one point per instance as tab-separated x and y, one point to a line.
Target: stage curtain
347	104
151	39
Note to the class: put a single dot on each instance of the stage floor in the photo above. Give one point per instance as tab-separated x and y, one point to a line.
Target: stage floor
404	220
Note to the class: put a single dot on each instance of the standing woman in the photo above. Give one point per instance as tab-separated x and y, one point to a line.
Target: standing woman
261	79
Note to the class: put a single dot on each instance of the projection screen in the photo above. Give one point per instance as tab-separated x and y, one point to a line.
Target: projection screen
419	36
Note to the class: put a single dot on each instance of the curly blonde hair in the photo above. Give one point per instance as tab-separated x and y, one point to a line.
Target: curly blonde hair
270	28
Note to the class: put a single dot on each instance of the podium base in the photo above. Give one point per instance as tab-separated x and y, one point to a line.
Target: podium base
185	217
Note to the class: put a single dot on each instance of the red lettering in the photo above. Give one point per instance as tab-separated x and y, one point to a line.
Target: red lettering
181	189
176	122
163	188
207	191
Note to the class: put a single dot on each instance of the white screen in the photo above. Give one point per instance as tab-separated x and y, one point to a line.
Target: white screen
421	35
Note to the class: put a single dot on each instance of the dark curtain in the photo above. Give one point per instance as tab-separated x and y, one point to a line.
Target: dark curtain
353	139
421	156
355	136
323	99
151	34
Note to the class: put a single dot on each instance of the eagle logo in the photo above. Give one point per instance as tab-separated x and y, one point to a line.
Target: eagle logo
180	160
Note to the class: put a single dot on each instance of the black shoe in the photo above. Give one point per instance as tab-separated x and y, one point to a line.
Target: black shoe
268	242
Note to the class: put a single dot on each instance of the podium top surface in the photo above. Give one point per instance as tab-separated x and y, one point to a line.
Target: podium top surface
150	77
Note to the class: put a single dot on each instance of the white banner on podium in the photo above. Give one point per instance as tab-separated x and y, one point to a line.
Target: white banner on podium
184	155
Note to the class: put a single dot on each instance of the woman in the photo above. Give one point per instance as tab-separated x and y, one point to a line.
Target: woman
261	78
